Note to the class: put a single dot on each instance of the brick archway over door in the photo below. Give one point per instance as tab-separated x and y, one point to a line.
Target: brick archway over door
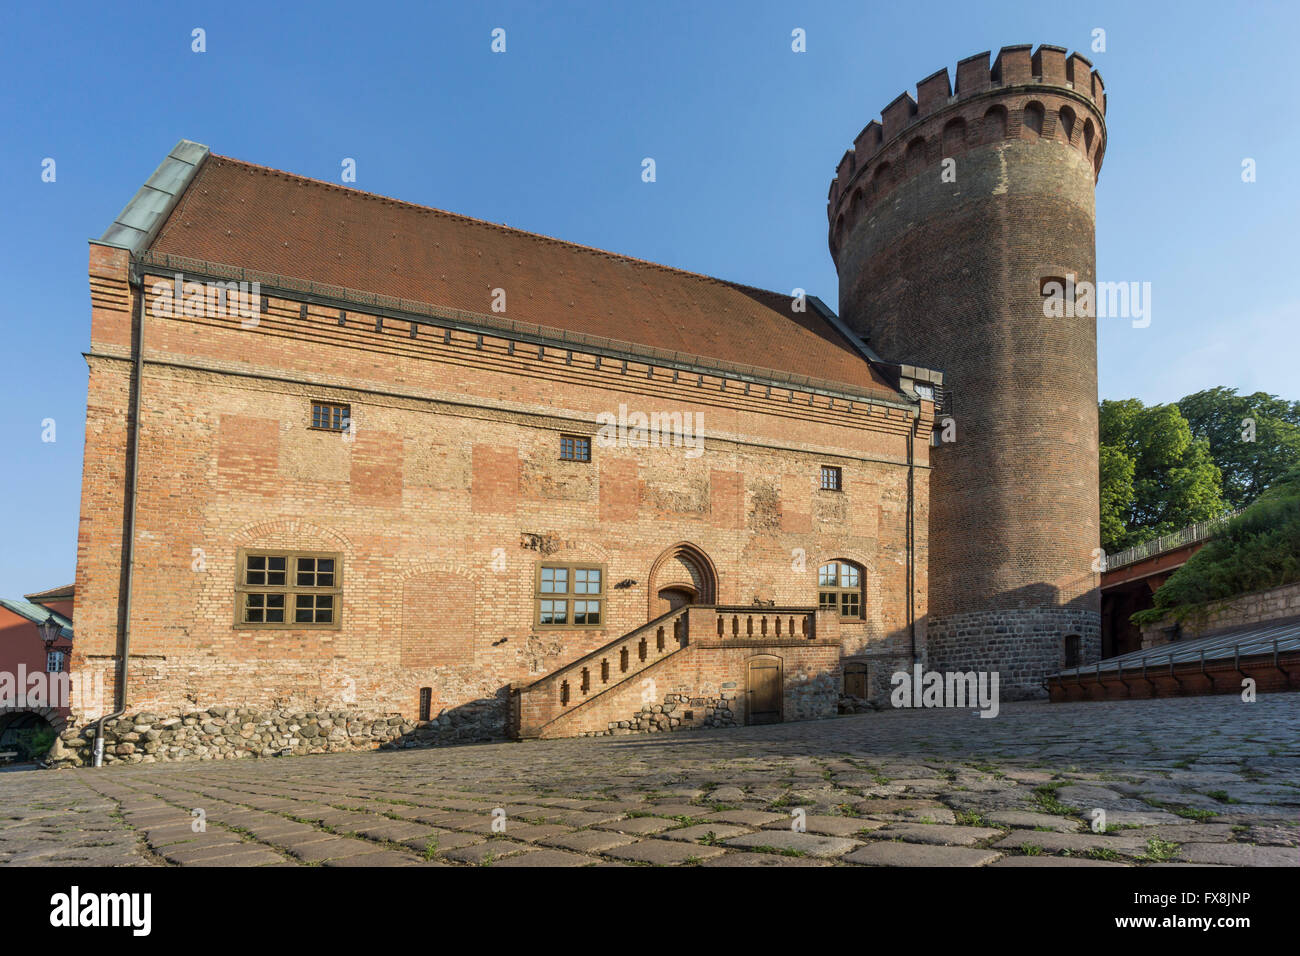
680	572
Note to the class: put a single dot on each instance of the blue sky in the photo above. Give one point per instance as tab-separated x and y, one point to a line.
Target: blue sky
550	136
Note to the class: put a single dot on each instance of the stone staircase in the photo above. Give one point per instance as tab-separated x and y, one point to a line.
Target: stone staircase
540	708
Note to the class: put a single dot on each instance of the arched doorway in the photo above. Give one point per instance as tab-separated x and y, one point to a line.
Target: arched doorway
683	574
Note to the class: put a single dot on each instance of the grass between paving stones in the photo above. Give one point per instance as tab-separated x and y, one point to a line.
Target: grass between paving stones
430	848
1191	813
684	821
1031	849
1221	796
1159	851
788	851
1045	797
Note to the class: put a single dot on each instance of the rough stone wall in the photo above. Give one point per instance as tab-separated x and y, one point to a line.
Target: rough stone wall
229	733
1274	604
1023	646
677	712
442	504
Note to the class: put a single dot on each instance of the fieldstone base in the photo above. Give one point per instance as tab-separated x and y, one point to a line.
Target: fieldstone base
677	712
229	733
1023	645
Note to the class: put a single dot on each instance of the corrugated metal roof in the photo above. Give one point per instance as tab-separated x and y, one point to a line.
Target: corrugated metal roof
1251	640
37	614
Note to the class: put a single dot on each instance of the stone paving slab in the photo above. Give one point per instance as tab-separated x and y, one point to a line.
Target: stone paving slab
809	844
663	852
888	853
936	834
1212	780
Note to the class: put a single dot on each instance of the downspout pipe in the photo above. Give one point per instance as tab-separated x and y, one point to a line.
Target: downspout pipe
911	539
136	283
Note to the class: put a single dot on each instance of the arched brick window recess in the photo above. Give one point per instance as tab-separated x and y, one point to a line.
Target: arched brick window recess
954	137
1032	120
1067	123
995	124
915	156
1089	134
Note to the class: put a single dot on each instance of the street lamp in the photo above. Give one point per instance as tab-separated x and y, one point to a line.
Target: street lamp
49	630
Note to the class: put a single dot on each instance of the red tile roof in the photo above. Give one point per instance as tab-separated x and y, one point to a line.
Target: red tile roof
241	214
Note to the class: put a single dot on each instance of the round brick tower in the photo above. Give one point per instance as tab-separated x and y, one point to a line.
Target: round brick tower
946	218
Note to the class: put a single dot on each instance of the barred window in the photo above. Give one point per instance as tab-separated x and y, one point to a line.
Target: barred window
288	590
575	448
839	585
54	662
330	416
569	595
832	479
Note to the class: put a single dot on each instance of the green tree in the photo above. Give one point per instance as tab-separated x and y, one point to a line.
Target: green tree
1155	476
1254	439
1256	550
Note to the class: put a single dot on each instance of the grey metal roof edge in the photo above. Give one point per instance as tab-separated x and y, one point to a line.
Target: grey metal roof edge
1257	638
23	610
138	223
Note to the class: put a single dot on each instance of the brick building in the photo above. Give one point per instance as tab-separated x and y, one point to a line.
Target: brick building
358	469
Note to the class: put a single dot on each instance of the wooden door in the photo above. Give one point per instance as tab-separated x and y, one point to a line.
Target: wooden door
855	680
764	689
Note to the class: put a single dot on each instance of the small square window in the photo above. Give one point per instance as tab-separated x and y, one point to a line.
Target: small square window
330	416
586	612
555	580
266	571
264	608
575	448
832	480
314	609
315	572
554	612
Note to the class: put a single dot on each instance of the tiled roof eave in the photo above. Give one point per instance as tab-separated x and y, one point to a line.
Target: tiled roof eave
287	287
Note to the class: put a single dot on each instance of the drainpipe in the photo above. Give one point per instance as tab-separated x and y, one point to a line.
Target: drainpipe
911	536
136	282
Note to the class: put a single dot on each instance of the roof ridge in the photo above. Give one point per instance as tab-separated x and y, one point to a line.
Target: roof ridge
526	233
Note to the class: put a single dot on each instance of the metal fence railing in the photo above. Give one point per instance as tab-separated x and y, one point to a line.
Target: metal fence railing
1168	542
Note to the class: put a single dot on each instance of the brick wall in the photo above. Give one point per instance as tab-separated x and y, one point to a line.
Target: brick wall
442	503
944	271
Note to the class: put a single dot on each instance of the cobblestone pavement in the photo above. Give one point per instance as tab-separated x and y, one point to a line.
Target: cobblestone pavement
1207	780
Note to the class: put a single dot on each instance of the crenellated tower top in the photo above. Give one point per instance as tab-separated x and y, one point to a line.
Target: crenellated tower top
1046	94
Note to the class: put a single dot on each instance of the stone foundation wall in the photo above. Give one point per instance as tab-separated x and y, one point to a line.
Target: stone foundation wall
1025	646
677	712
1254	608
229	733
